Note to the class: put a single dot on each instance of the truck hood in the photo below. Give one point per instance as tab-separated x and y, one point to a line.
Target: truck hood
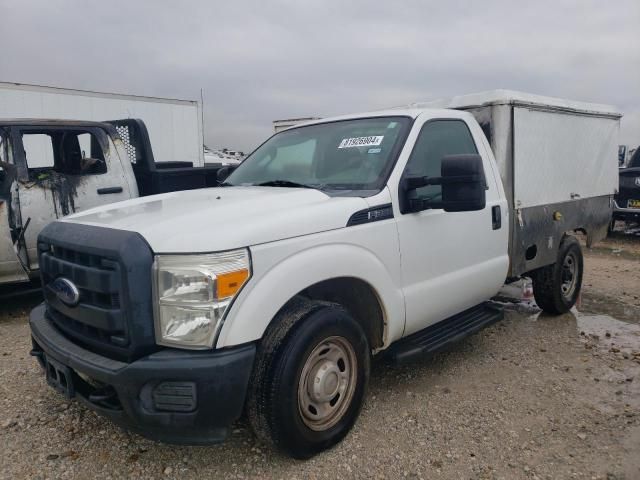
215	219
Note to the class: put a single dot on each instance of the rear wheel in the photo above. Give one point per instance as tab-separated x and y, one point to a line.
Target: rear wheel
556	287
310	379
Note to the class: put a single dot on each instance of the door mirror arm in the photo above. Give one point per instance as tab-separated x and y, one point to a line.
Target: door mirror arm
408	185
413	183
420	204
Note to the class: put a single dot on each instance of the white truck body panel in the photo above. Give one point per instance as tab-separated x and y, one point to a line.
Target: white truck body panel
175	126
560	156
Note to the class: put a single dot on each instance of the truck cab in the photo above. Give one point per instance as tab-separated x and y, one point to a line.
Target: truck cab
376	233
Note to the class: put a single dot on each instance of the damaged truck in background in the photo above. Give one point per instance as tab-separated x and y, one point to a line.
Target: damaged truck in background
53	168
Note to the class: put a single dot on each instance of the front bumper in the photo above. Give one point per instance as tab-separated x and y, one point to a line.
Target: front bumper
175	396
624	212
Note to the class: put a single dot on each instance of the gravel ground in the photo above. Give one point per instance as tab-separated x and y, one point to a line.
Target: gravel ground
531	397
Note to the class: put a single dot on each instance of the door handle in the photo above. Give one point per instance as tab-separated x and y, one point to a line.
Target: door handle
107	190
496	217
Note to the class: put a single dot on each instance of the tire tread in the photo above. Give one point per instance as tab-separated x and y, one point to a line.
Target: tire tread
277	345
546	281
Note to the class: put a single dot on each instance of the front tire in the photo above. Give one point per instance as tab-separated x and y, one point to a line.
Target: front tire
310	378
556	287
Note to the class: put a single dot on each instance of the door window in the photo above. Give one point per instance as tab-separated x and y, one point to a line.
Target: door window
38	150
437	139
63	151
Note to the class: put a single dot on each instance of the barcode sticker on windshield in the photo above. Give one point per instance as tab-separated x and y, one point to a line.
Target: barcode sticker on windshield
361	142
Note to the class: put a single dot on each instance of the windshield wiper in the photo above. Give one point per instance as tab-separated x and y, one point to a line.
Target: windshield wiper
345	186
284	183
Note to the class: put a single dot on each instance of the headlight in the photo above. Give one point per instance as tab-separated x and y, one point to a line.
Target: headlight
192	293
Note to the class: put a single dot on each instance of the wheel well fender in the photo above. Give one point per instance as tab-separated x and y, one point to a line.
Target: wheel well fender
315	272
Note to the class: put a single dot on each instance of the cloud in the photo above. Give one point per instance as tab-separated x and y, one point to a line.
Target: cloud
258	61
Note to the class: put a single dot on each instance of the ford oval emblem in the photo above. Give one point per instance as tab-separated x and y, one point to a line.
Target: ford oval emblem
66	291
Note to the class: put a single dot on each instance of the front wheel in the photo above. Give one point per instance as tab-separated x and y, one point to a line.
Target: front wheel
310	379
556	287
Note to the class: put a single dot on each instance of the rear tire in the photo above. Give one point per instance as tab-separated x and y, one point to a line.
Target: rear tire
309	382
556	287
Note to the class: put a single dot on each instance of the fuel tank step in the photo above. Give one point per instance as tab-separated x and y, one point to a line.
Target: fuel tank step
438	336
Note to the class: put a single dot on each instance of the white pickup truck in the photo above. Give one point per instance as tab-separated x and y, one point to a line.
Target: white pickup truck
333	241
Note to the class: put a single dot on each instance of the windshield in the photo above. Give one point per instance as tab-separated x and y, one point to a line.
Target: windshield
351	154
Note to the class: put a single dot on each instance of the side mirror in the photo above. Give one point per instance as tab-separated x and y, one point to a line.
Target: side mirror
463	183
463	186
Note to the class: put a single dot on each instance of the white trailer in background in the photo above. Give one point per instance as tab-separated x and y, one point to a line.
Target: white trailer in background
175	126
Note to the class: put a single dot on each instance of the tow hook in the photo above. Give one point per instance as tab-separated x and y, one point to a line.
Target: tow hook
105	397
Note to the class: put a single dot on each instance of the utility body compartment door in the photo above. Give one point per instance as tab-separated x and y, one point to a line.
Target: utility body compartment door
450	261
559	157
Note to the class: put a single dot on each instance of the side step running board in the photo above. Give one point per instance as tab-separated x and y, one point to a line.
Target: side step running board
439	335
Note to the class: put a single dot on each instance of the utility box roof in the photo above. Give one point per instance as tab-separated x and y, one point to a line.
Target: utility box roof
511	97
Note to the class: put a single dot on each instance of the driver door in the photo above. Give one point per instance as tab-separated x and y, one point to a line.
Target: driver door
450	261
65	170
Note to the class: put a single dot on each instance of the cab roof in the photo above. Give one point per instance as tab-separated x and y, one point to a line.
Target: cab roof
410	112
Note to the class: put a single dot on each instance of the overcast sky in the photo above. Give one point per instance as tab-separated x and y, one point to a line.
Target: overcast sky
260	61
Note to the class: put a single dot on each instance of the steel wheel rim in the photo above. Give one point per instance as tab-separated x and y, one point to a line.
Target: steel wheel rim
327	383
569	275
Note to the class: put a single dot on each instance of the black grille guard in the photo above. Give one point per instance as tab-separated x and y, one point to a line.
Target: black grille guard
112	271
